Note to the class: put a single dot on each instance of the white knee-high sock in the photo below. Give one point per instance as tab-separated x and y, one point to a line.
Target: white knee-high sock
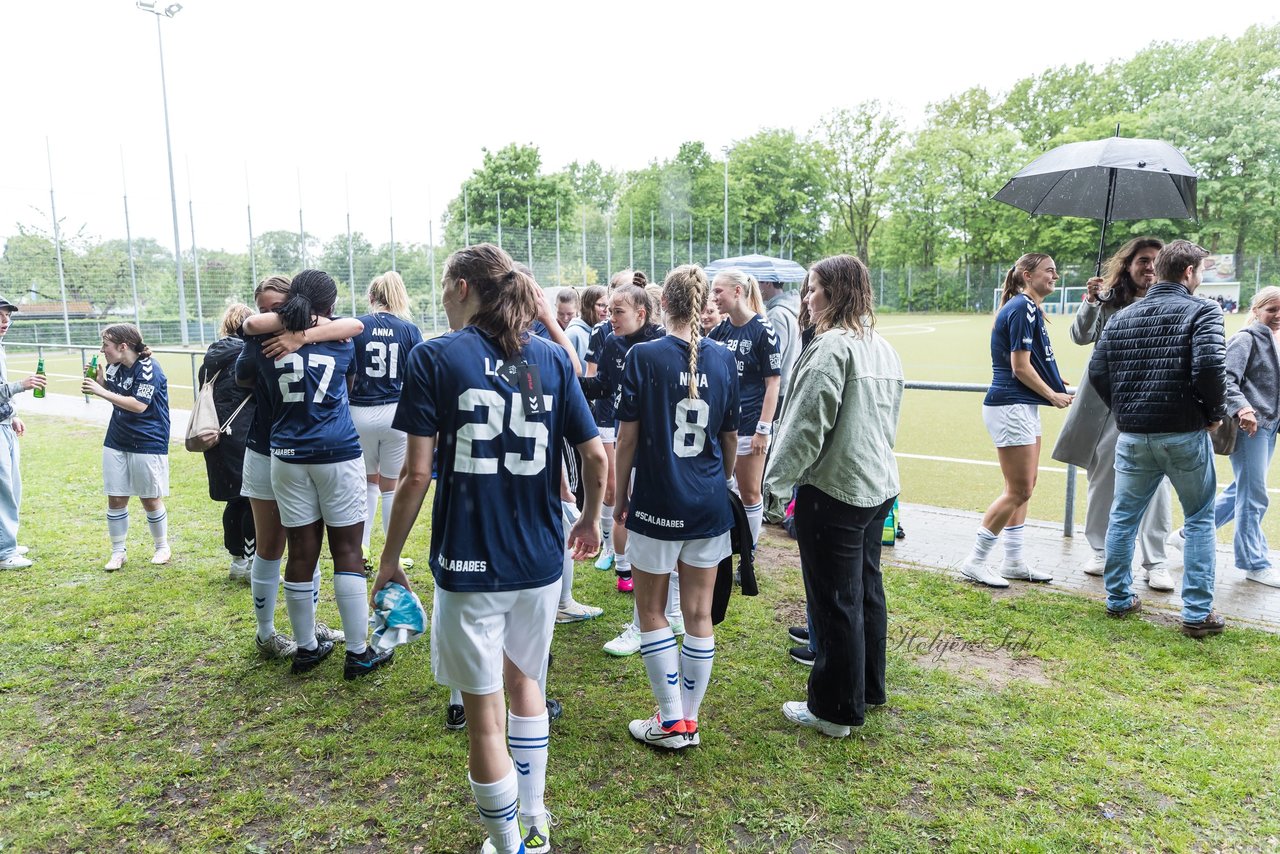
982	545
662	665
158	522
264	581
566	580
352	596
606	528
371	507
528	739
497	804
1012	543
455	697
388	501
696	657
301	606
315	586
118	528
755	516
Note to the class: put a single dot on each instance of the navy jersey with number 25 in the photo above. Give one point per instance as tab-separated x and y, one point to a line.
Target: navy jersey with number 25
496	522
380	352
679	491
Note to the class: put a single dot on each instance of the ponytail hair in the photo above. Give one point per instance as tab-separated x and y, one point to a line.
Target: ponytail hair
1013	280
685	291
127	335
312	293
507	299
388	291
750	287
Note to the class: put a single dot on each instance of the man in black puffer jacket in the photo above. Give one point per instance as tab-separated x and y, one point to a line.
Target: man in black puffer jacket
1161	367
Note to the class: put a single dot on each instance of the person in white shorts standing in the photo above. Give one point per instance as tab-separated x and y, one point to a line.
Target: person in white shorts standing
255	479
678	416
496	402
375	378
135	456
316	474
1024	378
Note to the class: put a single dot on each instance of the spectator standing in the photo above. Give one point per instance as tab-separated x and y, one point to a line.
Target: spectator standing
783	312
12	555
1160	367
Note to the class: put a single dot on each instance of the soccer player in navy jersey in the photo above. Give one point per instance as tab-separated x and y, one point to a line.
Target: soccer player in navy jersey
375	377
678	416
135	456
497	402
749	336
255	480
316	474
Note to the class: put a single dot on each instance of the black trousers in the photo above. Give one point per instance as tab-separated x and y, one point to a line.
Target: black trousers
840	559
238	536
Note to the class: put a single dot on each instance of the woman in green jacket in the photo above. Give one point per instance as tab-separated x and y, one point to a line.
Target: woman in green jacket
836	443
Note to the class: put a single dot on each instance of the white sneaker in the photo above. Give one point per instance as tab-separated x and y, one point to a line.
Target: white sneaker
1267	576
1097	565
576	612
677	625
799	713
1158	578
162	555
1020	571
15	562
22	549
1177	539
239	570
981	573
115	562
627	643
651	731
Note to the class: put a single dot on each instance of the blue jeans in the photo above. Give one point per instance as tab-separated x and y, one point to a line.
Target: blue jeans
10	491
1142	460
1245	498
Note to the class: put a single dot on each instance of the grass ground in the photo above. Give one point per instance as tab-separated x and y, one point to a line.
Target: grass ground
135	715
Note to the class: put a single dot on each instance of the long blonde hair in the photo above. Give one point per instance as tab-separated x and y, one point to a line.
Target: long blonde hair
388	291
750	287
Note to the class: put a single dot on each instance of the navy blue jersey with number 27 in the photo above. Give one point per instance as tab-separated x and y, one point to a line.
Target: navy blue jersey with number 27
380	350
679	491
496	523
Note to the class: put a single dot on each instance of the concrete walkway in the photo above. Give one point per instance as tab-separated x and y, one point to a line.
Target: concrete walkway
938	539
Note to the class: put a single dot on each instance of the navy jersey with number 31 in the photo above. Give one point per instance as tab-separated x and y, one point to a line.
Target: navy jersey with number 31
496	522
679	491
380	352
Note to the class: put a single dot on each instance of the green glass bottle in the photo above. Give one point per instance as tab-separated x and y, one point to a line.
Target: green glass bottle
91	372
38	391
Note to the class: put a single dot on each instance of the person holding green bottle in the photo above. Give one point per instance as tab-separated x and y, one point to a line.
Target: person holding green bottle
12	555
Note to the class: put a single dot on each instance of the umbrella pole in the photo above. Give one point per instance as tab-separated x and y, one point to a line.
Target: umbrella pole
1106	219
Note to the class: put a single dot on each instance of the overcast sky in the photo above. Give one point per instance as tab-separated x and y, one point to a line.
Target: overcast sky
396	99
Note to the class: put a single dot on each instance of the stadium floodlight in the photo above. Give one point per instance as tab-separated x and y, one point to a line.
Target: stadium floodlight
168	12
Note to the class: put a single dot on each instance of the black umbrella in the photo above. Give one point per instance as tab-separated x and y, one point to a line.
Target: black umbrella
1107	179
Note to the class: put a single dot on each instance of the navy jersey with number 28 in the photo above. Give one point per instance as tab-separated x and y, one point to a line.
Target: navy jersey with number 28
496	522
754	346
679	491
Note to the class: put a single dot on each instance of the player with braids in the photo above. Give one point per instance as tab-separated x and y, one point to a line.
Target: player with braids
497	403
677	414
317	476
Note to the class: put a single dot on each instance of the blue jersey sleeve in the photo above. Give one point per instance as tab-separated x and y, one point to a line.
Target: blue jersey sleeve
768	351
416	413
1022	327
629	397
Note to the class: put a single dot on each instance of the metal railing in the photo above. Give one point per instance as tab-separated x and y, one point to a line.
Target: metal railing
86	349
1069	509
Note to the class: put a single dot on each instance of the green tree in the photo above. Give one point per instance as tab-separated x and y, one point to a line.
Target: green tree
528	196
853	148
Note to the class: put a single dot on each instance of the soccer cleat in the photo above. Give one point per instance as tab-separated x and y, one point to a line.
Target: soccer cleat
276	646
162	555
652	732
1021	571
324	633
537	839
490	848
116	562
239	570
576	612
307	659
605	561
360	664
555	709
626	585
455	717
406	563
627	643
691	733
17	561
799	713
982	574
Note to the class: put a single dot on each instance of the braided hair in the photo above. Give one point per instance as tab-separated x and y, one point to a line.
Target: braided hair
685	291
312	294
